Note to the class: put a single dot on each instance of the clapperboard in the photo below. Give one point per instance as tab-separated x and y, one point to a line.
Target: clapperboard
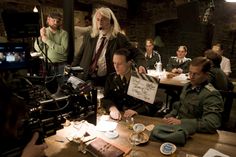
143	87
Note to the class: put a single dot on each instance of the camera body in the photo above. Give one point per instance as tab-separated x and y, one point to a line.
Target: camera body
46	115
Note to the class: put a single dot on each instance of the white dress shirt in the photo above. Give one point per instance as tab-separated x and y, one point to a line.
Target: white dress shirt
102	66
225	65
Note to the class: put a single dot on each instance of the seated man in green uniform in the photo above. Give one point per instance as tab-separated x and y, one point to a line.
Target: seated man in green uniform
115	92
200	104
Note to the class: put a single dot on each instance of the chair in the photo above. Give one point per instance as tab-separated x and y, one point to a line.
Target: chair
228	97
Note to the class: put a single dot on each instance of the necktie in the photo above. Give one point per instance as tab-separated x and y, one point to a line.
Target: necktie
124	80
93	66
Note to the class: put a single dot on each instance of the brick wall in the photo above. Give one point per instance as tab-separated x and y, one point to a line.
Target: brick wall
151	13
141	21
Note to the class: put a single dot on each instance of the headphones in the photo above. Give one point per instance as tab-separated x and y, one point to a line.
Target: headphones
111	21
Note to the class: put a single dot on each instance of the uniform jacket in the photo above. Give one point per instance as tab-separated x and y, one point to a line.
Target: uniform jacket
156	57
88	47
115	94
173	63
200	107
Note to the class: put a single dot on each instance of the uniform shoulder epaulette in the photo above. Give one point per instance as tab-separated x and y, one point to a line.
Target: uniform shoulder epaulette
173	57
210	87
155	52
188	59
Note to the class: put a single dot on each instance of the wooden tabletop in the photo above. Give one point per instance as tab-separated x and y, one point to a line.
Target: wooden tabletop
197	145
167	78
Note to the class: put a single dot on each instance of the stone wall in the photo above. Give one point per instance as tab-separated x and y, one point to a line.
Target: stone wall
225	30
22	7
146	19
221	28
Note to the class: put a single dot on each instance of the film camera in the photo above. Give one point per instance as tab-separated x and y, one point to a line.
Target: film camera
46	115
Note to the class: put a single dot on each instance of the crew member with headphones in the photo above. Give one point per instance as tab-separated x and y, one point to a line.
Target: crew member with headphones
99	45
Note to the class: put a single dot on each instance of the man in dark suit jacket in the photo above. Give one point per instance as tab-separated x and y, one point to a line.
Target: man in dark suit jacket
116	100
151	55
179	63
105	25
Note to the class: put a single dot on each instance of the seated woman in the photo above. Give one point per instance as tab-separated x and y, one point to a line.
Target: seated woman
115	92
179	63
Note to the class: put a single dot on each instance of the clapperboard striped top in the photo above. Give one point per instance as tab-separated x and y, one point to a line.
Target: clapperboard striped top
146	77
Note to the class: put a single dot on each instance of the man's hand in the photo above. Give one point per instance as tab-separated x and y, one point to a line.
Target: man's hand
142	70
177	70
180	70
115	113
129	113
172	120
43	31
174	70
33	150
43	34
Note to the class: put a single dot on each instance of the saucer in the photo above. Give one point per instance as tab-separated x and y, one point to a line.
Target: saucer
111	134
138	127
139	138
167	148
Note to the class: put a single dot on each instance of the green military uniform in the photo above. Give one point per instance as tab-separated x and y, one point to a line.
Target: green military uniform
115	94
174	63
151	61
199	108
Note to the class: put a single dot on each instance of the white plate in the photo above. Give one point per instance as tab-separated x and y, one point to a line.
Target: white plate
111	134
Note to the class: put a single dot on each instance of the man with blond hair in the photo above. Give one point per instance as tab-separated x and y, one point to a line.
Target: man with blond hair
98	47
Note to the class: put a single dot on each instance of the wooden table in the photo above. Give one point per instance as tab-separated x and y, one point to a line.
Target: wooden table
179	80
198	144
174	84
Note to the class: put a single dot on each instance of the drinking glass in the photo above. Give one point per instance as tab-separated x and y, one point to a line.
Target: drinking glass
134	142
130	122
100	95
